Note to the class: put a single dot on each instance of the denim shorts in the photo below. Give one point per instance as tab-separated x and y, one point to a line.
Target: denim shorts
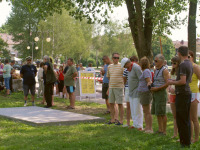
7	83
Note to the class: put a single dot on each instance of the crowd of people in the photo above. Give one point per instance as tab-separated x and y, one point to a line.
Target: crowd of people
146	89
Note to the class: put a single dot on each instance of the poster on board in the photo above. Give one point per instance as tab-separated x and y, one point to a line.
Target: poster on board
87	83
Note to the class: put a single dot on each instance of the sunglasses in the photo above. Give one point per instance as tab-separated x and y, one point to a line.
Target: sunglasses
115	57
189	56
173	63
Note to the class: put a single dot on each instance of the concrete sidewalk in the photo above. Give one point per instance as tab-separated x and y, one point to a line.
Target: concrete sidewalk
44	116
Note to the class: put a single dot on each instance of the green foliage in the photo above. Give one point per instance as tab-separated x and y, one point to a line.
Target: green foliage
167	46
22	24
115	39
72	38
4	53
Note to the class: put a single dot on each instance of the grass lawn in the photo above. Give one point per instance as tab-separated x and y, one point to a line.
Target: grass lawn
95	136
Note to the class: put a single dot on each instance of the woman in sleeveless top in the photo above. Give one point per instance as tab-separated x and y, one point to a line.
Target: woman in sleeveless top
175	61
195	99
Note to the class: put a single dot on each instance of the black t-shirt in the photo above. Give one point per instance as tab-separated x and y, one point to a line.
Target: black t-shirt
29	72
185	69
65	70
44	75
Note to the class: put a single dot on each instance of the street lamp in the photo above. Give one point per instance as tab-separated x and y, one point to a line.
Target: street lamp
48	39
36	39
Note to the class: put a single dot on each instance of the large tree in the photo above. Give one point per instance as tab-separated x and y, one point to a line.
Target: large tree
145	16
70	37
192	26
4	53
22	24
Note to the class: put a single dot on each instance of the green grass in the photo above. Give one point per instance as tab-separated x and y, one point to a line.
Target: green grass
96	136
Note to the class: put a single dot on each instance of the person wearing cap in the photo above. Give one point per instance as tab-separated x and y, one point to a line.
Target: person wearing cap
116	89
134	73
28	73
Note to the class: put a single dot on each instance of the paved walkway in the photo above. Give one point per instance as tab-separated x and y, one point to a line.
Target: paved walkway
44	116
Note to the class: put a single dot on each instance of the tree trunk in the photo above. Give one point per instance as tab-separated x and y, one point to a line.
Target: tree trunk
141	28
192	27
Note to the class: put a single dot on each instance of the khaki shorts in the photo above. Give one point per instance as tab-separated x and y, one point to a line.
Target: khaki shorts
145	97
116	95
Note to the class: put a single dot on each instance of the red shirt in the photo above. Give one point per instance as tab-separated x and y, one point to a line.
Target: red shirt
61	75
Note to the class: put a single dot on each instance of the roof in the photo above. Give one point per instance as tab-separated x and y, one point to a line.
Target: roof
177	44
7	38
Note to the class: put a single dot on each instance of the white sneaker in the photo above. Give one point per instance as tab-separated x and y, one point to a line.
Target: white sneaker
25	104
125	125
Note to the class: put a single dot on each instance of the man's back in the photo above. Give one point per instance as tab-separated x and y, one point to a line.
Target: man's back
185	69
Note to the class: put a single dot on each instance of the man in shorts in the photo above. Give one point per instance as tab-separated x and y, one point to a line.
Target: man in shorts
159	93
116	88
69	82
28	73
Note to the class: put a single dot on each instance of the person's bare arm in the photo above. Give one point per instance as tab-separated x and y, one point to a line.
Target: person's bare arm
148	80
45	69
21	75
74	74
166	78
125	80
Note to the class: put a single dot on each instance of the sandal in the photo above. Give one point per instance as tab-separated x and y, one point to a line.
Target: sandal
107	112
110	122
69	107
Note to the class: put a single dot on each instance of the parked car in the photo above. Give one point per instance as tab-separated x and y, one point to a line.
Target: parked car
17	67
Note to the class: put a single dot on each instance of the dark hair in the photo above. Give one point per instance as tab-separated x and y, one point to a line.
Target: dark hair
90	65
6	61
183	50
105	57
12	61
41	64
114	54
71	59
151	66
178	61
144	63
191	53
134	59
61	67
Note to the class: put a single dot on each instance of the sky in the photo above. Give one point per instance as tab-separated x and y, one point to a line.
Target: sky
120	13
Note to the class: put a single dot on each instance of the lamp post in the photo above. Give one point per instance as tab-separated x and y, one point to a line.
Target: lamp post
36	39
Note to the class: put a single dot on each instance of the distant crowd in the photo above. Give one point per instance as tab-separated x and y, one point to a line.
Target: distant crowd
146	89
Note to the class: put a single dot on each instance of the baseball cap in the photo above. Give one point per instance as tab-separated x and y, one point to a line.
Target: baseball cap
29	58
124	61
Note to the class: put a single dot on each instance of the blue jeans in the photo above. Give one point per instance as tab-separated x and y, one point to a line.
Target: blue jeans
7	83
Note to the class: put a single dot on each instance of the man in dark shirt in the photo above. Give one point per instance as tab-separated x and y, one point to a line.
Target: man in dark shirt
28	73
183	96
